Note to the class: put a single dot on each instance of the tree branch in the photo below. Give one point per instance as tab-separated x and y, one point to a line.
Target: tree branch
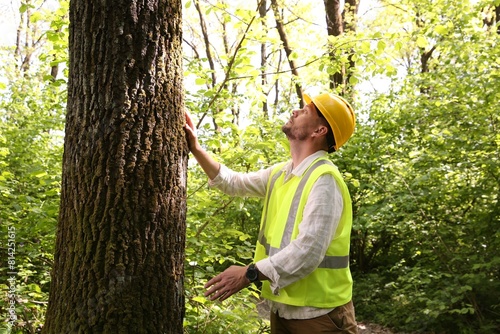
229	67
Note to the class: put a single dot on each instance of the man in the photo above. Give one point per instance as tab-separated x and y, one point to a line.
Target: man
302	252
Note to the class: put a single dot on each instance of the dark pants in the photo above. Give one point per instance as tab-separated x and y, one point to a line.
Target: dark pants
340	320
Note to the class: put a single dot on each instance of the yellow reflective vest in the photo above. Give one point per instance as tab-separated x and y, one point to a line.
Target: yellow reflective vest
330	284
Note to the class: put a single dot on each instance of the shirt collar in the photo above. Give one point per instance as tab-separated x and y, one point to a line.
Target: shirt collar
302	167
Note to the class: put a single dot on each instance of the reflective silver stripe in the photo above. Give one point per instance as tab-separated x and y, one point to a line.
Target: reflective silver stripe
332	262
328	262
262	237
272	250
294	208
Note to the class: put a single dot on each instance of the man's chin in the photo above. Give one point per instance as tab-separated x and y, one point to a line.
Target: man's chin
287	131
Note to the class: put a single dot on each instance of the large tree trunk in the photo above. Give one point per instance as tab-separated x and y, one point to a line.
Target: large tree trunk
120	241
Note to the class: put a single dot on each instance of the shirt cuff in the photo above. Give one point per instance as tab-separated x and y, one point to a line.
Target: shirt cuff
219	178
267	269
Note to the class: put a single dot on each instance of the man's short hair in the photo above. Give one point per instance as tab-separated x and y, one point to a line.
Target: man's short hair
330	139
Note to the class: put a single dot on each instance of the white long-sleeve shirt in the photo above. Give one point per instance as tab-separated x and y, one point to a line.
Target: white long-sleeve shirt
320	220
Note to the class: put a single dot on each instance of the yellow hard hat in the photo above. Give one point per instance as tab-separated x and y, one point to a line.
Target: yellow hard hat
338	113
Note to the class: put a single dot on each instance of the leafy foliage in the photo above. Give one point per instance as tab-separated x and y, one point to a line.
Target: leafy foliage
31	136
222	231
31	120
429	194
422	168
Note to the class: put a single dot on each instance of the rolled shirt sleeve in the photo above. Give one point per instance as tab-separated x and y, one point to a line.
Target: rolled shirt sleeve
241	184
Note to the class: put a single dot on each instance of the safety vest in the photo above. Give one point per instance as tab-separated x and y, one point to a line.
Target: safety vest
330	284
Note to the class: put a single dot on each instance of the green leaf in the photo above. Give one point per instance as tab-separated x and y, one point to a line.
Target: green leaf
40	174
199	299
440	29
200	81
381	45
422	42
365	46
23	8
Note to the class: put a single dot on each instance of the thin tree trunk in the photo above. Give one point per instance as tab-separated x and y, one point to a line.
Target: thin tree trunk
276	83
118	264
206	40
492	17
352	10
497	18
337	24
280	26
263	55
231	87
334	27
208	52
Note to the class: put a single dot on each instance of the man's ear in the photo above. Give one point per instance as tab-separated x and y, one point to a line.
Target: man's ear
320	131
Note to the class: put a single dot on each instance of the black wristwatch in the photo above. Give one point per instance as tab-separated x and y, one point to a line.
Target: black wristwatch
252	273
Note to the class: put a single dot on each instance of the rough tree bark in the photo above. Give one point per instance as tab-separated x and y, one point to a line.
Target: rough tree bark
120	241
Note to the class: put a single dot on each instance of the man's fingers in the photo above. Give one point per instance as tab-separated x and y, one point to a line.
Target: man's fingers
189	121
210	291
213	281
216	290
189	127
226	283
218	294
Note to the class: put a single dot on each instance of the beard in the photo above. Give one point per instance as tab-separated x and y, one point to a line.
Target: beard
286	129
293	133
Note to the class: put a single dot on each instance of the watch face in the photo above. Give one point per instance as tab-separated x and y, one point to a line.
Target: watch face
252	274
